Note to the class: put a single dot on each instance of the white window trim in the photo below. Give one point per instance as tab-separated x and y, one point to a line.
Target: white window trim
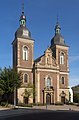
46	80
62	58
25	58
61	80
27	78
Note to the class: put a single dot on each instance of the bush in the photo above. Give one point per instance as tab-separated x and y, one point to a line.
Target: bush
69	103
59	103
4	104
38	104
25	105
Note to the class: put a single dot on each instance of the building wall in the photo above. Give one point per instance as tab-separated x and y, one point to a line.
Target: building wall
29	44
45	66
40	81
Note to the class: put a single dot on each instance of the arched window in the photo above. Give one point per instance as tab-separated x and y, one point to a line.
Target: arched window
48	82
62	80
25	53
25	78
62	58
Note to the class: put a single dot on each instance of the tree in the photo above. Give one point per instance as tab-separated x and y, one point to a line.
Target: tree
76	93
1	93
28	93
8	79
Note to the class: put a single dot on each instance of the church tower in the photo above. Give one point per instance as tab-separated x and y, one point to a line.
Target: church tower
23	59
60	53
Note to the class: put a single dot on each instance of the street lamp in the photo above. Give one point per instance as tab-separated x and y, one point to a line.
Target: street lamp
46	101
14	96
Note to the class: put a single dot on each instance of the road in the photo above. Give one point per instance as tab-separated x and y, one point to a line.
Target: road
20	114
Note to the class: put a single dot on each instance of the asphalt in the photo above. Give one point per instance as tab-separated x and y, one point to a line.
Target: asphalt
33	114
49	112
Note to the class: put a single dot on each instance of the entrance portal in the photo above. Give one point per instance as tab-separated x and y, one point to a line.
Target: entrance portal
25	100
48	99
63	99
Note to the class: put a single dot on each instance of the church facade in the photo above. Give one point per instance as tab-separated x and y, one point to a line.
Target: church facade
49	73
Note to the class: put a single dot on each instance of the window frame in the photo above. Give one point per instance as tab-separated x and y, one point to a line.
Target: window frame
48	82
63	80
25	53
25	75
62	58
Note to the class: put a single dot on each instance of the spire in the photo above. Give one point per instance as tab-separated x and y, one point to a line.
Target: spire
23	17
57	27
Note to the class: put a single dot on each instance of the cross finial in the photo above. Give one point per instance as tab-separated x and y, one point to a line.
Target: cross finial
57	18
22	6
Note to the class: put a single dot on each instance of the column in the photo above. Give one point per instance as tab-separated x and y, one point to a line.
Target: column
57	87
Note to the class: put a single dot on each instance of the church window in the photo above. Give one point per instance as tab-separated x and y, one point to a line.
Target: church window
25	78
62	58
62	80
48	82
25	53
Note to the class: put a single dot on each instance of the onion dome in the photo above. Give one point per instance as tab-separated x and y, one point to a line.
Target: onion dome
57	39
22	31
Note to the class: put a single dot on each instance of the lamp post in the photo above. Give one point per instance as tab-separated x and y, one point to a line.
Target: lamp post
14	96
46	101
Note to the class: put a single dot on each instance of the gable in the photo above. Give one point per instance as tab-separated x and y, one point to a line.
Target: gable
46	59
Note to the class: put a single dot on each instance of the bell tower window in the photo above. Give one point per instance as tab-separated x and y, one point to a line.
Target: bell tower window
62	58
62	80
25	53
25	78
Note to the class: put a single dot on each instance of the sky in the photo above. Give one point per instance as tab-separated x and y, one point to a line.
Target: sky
41	20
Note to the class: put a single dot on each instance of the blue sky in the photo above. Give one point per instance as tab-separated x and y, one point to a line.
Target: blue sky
41	20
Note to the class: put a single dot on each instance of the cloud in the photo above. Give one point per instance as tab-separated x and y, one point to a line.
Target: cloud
73	58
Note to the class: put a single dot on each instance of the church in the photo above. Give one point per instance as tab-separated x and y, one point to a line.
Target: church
49	73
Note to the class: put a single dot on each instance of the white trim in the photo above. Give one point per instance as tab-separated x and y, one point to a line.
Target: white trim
22	69
26	41
38	84
48	76
62	47
62	56
25	53
57	87
64	73
18	54
48	70
55	71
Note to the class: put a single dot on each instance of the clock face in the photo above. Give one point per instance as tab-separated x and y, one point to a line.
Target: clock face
25	33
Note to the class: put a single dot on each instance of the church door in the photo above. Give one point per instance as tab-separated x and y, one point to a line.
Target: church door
63	99
25	100
48	99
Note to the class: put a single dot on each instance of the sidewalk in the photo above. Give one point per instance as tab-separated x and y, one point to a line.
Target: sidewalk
58	107
8	112
48	107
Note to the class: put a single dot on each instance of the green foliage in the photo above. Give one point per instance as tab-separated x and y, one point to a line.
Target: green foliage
9	78
25	105
1	92
76	97
4	104
75	94
40	104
